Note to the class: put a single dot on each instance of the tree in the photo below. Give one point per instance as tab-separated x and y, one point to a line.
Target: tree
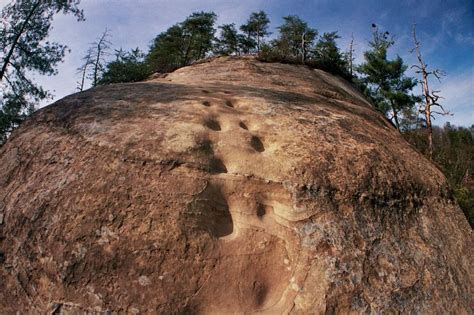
328	56
23	50
350	56
228	42
166	52
296	38
246	42
388	86
127	67
98	52
183	43
453	152
430	97
257	28
95	60
198	31
83	70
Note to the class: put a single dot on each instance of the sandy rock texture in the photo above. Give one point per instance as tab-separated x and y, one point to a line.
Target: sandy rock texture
228	187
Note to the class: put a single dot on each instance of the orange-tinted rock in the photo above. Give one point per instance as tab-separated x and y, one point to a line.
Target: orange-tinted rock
231	186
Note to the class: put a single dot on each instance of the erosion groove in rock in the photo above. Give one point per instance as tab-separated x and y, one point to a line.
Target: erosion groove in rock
230	187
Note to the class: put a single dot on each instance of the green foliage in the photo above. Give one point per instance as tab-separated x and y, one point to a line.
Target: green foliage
296	38
198	31
246	43
296	44
256	29
127	67
328	57
229	41
465	199
24	49
183	43
166	53
387	84
454	153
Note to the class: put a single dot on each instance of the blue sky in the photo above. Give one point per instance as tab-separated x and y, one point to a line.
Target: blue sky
445	28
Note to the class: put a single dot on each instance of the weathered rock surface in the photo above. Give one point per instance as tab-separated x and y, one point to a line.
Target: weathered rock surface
231	186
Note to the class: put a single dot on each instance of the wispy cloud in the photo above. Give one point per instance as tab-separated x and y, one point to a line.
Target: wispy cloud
464	39
457	92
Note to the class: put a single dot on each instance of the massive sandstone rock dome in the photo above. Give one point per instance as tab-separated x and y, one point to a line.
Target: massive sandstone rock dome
227	187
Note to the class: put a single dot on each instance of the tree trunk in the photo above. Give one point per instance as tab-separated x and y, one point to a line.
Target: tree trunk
426	94
303	49
186	54
96	65
258	43
395	117
83	79
350	54
430	133
6	61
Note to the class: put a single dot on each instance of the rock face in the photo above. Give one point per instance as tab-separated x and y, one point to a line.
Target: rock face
230	186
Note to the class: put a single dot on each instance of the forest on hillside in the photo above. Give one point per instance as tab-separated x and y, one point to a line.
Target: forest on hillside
383	79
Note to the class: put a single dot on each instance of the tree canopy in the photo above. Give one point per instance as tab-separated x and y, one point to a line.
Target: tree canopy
296	38
229	41
24	50
183	43
256	29
387	84
328	57
127	67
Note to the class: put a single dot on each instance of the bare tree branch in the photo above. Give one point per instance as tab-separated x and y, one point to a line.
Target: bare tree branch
430	97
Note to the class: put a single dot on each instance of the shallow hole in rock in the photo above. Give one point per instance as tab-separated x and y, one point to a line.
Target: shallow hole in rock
261	211
227	92
223	221
260	292
205	91
206	147
212	124
206	103
211	212
257	144
243	126
216	166
229	103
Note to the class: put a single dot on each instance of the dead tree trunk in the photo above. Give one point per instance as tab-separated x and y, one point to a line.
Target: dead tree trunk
83	70
100	51
430	97
351	55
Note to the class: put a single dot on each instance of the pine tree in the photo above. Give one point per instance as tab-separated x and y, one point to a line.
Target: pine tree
388	86
296	38
198	31
228	42
127	67
328	57
166	52
257	28
23	50
246	42
183	43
